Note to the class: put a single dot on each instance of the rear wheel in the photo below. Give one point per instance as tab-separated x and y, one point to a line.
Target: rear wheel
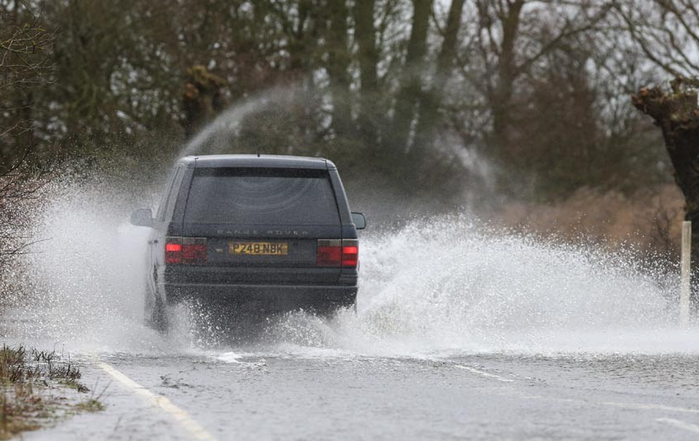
155	312
159	319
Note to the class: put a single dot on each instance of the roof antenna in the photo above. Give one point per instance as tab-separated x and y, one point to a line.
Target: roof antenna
258	150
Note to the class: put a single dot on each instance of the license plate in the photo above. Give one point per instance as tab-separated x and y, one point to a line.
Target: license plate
259	248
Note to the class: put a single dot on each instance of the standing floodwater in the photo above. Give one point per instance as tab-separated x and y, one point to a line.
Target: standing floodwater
467	330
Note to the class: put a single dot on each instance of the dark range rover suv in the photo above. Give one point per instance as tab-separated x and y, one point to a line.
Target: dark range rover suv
271	231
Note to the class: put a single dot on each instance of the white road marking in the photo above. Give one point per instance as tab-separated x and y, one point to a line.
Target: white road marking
560	400
636	406
679	424
185	420
484	374
651	407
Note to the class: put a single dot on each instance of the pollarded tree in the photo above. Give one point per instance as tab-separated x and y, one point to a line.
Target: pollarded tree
676	112
667	33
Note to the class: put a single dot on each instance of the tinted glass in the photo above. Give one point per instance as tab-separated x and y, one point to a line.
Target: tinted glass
166	195
261	197
166	208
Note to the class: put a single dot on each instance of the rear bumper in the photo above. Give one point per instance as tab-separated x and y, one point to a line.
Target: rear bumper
273	296
311	277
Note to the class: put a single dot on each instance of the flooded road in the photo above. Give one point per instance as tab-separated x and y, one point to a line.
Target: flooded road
318	394
461	332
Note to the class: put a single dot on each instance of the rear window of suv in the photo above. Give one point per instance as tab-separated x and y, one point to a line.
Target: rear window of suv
255	196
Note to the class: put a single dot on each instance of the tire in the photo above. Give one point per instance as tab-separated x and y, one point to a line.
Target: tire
155	312
159	318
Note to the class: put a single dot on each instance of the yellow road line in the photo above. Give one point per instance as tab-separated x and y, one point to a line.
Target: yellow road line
182	417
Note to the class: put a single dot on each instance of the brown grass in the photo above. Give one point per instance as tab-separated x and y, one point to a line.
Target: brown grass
25	377
649	220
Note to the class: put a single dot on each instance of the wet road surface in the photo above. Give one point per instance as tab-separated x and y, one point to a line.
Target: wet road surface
493	336
311	393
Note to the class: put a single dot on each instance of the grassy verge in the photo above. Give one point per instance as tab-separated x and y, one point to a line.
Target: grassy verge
33	389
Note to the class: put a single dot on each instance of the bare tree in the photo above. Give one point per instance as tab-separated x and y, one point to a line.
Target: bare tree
19	186
368	55
676	112
410	88
666	31
431	101
511	37
25	67
338	64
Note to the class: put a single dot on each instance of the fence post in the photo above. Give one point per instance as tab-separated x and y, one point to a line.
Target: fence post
685	271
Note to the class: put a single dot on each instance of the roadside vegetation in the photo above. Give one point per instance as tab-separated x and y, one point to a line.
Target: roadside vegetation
37	388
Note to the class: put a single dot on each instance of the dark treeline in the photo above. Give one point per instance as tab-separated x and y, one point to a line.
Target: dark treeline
421	97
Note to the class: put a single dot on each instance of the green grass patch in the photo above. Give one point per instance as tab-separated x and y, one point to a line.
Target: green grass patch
91	405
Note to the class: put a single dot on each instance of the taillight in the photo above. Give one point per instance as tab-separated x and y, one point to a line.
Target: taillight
186	250
173	250
350	253
337	253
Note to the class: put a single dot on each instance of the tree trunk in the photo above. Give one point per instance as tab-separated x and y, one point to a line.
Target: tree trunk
501	102
368	60
411	87
677	115
338	68
430	102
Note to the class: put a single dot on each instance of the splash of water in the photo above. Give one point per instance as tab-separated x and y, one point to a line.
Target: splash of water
437	286
448	286
215	136
87	273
